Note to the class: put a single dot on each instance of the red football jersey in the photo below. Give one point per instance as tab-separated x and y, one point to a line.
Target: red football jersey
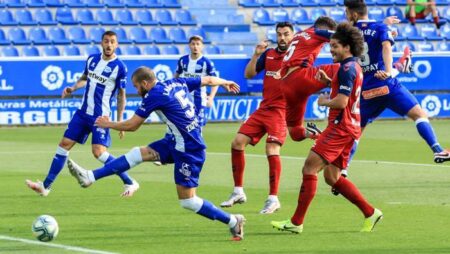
304	48
270	61
348	81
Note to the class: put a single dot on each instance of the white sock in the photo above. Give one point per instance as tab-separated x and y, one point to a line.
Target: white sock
91	176
233	221
103	157
238	190
273	198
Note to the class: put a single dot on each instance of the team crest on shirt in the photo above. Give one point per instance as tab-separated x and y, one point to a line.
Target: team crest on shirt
107	69
198	67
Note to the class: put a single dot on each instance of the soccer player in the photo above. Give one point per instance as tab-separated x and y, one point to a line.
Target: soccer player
104	75
332	148
197	65
268	118
380	90
172	101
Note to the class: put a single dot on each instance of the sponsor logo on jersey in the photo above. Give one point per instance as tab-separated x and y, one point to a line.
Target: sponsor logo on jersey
96	77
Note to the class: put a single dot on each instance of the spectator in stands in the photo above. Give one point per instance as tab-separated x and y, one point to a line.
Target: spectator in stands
419	9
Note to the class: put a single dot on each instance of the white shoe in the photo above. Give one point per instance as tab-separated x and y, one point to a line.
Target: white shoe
442	157
38	187
79	173
130	189
238	230
234	198
157	163
270	206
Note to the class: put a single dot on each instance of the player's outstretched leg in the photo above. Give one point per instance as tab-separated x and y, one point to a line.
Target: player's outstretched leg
81	174
404	63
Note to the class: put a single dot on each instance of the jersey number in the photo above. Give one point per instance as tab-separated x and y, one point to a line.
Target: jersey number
355	106
364	60
185	103
290	51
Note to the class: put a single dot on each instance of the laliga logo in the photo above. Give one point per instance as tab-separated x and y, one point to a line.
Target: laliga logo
163	72
425	69
320	111
432	105
52	77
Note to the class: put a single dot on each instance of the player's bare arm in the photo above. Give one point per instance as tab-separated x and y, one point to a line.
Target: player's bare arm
230	86
250	69
211	96
70	89
391	20
387	59
121	100
338	102
322	77
131	124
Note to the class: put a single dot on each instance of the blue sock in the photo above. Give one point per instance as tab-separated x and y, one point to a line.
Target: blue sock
210	211
116	166
57	165
106	158
426	132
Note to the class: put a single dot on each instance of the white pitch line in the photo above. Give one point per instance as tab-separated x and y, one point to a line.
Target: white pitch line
54	245
250	155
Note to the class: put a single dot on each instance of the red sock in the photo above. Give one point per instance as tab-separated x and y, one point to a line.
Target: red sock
352	194
306	195
436	21
274	173
298	133
238	165
412	20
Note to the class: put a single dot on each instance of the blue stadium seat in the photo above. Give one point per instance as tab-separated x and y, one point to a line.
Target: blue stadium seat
164	17
125	17
85	17
94	4
132	50
300	16
105	17
51	50
445	31
308	3
159	35
376	13
152	3
92	49
262	17
118	51
65	17
280	15
3	40
134	4
178	35
25	18
72	50
53	3
17	36
399	47
77	35
237	49
14	3
58	36
410	32
429	32
442	2
317	12
386	2
144	17
152	50
170	50
271	35
139	36
249	3
7	19
370	2
395	11
199	31
10	51
289	3
184	17
38	36
114	3
75	3
400	2
425	46
35	3
327	3
338	14
44	17
171	3
270	3
212	50
121	35
444	46
446	13
30	51
96	33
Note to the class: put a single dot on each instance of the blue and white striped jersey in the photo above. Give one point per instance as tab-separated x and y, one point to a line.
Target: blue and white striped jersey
104	78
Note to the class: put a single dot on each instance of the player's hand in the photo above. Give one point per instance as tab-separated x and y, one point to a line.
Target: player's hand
121	134
391	20
261	47
277	75
323	99
382	75
67	91
231	87
102	121
322	77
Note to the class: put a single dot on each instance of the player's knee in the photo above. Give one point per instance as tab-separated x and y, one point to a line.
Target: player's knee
193	204
134	156
273	149
97	152
239	143
297	133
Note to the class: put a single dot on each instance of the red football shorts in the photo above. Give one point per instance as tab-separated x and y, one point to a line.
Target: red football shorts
298	86
334	145
271	121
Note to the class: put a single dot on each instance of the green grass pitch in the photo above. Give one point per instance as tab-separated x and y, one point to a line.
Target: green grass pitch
393	168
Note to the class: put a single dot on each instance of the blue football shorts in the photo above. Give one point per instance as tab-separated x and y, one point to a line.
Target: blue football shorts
82	125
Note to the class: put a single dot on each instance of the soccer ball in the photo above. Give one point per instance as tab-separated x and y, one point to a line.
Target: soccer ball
45	228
